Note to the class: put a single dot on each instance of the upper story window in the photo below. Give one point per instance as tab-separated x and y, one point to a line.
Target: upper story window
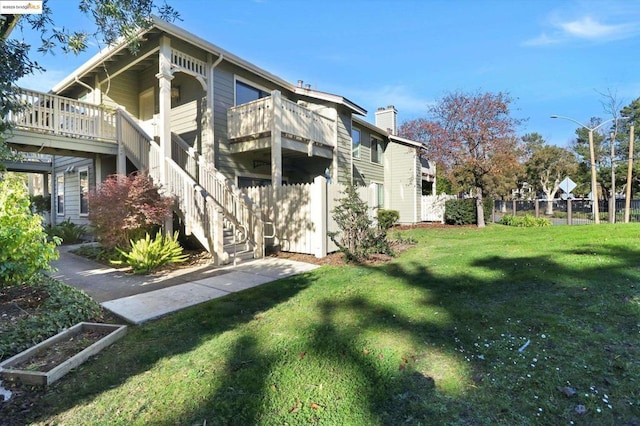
247	93
355	142
376	151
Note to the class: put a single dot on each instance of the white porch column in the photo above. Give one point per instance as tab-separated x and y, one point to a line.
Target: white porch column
164	77
121	160
208	143
276	140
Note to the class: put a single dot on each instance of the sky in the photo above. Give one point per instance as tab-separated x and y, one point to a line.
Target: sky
551	56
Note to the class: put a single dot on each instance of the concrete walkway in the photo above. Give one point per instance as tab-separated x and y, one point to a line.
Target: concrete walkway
140	298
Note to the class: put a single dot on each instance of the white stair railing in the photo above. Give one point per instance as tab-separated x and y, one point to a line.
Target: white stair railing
205	197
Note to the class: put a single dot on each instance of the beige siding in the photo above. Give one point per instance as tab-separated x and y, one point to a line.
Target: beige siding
122	91
364	171
72	187
343	150
402	181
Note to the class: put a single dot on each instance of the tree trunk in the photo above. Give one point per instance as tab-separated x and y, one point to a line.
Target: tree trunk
549	209
479	208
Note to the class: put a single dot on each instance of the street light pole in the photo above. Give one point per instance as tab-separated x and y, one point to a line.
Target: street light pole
594	183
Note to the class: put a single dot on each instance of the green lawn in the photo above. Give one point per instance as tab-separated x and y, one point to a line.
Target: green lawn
431	338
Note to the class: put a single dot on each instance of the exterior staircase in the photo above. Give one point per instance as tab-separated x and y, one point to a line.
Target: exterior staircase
223	219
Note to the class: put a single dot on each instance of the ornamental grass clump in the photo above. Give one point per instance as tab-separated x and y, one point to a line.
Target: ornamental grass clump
147	255
526	221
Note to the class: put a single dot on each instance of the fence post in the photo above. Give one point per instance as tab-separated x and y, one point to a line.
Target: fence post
319	215
537	207
514	207
569	212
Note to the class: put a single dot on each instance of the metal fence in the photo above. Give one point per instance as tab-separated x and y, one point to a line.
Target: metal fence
565	212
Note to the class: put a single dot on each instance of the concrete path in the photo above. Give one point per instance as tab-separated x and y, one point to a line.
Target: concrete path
140	298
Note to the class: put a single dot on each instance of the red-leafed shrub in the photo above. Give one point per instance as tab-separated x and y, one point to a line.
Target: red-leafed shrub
124	208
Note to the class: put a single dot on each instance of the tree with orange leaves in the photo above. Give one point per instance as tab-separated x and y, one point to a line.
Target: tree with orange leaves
472	137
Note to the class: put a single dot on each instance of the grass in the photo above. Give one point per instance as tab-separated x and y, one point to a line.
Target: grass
436	337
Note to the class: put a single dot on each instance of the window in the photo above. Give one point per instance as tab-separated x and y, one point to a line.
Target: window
60	194
84	191
355	143
380	195
247	93
376	151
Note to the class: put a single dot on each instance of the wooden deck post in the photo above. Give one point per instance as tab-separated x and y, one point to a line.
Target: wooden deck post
164	77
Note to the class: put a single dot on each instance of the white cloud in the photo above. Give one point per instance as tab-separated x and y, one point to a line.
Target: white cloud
406	102
584	28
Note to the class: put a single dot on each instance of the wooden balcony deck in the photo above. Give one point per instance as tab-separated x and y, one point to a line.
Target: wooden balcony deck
250	125
61	123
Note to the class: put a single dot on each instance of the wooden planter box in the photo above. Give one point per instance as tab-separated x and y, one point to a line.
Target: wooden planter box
9	371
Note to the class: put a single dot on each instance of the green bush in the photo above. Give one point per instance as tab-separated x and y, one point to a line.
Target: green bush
24	249
40	203
67	231
358	239
387	218
147	255
64	307
526	221
463	211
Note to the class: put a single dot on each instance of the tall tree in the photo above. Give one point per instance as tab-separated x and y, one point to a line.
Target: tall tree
113	19
471	136
547	167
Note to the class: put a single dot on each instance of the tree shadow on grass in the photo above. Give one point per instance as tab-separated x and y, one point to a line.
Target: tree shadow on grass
381	349
147	345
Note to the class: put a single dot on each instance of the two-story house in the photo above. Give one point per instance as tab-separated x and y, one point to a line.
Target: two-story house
206	123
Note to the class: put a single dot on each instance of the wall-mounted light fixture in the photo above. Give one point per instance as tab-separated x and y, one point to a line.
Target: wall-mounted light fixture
175	93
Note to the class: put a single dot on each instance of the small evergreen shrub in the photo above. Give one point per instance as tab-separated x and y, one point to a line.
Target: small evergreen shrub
387	218
526	221
40	203
147	255
67	231
24	249
64	307
463	211
358	239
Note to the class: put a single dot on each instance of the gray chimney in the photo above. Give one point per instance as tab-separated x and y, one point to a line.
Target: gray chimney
387	119
300	82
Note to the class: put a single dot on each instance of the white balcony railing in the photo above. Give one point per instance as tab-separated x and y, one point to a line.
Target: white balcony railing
256	118
47	113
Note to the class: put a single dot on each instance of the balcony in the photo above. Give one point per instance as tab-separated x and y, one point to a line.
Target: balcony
49	121
251	127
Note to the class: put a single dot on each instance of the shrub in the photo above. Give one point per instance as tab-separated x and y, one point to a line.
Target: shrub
526	221
24	249
463	211
40	203
358	237
67	231
124	208
64	307
147	255
387	218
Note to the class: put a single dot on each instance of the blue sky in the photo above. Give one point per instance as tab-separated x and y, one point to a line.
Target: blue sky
553	57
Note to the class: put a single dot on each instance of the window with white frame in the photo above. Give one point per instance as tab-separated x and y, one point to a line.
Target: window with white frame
377	192
376	151
355	142
60	194
245	93
83	175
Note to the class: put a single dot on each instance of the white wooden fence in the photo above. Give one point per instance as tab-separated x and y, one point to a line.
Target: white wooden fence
302	214
432	207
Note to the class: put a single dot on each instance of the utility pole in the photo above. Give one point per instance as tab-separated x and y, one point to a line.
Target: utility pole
612	197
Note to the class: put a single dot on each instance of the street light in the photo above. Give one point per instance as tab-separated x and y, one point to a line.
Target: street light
594	191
